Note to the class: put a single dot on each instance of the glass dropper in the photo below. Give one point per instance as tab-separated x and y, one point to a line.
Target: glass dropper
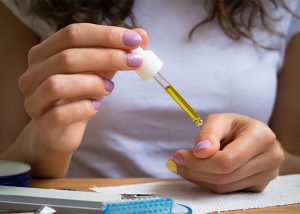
150	69
178	99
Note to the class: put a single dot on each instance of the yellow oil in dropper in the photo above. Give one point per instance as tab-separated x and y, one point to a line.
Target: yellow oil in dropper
184	105
179	99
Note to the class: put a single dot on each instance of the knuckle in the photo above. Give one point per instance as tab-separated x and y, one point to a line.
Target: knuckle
71	33
57	116
270	135
256	127
94	83
29	107
84	111
111	35
53	85
86	107
67	59
32	54
113	57
260	129
227	163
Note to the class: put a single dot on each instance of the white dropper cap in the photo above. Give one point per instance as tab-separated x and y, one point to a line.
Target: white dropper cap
151	64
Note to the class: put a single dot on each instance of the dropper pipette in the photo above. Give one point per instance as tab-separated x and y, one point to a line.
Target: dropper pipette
195	117
150	69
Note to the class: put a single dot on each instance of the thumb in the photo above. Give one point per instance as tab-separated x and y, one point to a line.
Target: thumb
144	36
215	129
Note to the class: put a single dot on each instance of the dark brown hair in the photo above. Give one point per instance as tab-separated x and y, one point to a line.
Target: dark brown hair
237	18
61	13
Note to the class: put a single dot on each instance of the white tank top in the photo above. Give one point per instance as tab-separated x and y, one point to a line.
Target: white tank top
139	126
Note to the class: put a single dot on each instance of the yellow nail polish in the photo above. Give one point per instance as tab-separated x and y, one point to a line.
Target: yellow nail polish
171	165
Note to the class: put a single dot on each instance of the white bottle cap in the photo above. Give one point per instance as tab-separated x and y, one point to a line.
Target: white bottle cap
151	64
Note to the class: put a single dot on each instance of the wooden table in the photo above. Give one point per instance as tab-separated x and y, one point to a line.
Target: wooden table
84	184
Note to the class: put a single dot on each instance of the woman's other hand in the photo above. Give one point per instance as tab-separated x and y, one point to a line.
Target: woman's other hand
233	152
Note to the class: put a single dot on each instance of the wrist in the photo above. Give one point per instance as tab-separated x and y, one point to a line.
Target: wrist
44	161
48	161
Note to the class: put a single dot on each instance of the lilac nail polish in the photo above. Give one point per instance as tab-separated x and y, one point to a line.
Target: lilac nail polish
96	104
202	145
178	159
109	85
134	60
132	39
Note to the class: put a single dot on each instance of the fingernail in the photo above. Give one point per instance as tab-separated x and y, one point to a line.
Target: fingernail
171	165
202	145
109	85
178	159
132	39
96	104
134	60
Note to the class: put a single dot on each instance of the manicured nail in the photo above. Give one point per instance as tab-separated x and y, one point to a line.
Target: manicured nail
134	60
202	145
109	85
96	104
171	165
132	39
178	159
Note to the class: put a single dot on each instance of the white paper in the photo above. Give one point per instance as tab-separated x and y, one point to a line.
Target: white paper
281	191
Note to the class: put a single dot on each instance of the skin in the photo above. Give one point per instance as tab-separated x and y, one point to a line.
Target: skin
59	112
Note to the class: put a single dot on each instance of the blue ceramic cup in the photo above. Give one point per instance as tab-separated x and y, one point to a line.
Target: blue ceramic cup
13	173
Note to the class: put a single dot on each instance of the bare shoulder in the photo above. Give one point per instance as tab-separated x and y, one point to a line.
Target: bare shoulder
291	55
296	38
15	41
290	72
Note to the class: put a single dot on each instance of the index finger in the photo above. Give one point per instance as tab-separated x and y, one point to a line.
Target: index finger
86	35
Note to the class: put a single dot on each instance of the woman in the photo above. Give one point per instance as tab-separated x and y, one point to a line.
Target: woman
230	64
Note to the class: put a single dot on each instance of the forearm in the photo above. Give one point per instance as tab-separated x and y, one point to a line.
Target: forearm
44	162
286	114
290	165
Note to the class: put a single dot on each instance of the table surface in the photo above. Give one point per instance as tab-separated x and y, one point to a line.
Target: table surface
84	183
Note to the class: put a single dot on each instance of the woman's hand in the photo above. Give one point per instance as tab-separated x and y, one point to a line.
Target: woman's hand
67	77
232	153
